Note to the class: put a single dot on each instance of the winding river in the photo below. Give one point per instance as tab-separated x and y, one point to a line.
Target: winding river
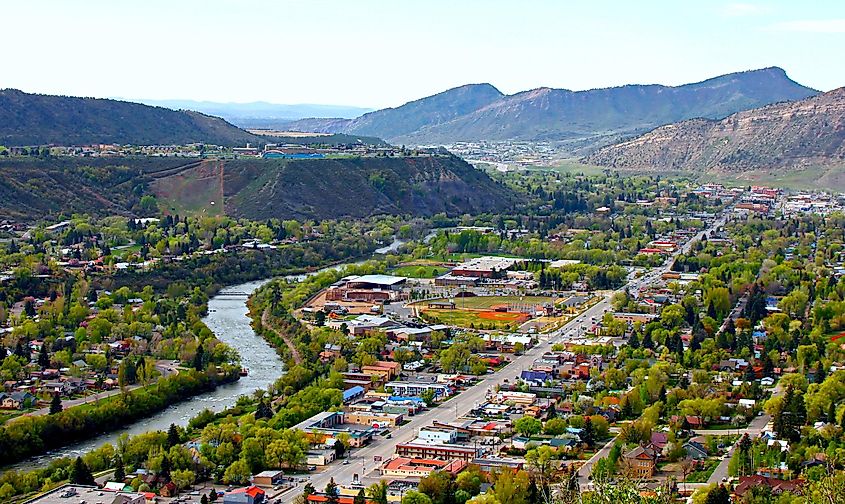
228	319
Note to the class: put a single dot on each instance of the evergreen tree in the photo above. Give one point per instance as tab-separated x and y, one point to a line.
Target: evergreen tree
199	357
119	471
173	437
361	498
588	434
55	404
718	495
79	473
43	356
331	492
263	410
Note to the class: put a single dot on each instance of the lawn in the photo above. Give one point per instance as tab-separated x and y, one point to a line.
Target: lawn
702	475
477	319
420	271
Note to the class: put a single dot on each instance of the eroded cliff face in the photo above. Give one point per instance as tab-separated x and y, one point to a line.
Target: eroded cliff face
799	134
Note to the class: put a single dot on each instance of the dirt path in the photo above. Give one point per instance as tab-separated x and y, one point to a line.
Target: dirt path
265	321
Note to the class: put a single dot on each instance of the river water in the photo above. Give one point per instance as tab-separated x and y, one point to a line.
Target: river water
228	319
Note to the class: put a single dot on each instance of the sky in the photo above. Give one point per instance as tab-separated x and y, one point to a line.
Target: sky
373	53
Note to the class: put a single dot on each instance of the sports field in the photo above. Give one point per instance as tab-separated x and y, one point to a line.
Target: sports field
480	311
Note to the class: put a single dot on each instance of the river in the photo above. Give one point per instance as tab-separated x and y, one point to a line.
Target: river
228	319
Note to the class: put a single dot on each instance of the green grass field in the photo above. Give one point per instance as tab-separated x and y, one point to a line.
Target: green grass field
420	271
470	319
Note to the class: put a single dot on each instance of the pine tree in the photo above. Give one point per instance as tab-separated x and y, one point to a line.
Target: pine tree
173	438
43	356
588	435
332	492
119	471
718	495
80	474
55	404
361	498
199	357
263	410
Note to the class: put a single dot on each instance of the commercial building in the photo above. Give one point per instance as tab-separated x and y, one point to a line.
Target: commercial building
416	389
484	267
404	467
68	494
420	449
268	478
374	419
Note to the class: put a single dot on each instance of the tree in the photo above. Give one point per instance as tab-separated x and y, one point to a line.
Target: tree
428	396
80	474
528	426
718	495
360	498
438	486
119	471
588	435
263	410
55	404
237	473
183	478
415	497
173	436
378	492
512	487
555	426
43	356
332	492
199	358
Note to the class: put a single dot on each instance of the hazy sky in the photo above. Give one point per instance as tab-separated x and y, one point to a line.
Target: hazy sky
384	53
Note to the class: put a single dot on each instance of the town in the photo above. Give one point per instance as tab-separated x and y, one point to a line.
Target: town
476	354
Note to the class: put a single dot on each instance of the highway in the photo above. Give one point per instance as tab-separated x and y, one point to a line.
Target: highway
362	461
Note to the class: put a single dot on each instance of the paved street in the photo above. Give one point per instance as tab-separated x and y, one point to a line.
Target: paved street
362	463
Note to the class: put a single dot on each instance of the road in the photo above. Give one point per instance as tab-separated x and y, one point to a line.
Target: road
166	368
362	463
754	429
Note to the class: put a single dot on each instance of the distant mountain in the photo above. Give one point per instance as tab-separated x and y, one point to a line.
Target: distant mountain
260	114
777	138
412	116
480	112
34	119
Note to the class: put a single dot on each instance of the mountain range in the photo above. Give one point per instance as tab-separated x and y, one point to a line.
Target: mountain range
259	114
781	138
480	112
34	119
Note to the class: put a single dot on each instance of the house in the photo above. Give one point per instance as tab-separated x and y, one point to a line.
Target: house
246	495
695	450
641	461
777	486
168	489
16	400
268	478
